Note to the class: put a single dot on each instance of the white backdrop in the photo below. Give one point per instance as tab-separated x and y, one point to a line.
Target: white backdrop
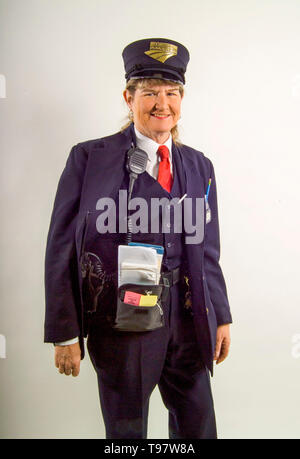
61	83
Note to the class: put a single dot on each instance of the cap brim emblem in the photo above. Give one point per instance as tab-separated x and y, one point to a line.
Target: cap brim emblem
161	51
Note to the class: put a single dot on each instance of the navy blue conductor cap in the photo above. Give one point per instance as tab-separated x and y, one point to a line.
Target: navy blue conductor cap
156	58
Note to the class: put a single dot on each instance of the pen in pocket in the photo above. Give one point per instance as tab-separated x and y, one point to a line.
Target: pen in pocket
208	188
181	199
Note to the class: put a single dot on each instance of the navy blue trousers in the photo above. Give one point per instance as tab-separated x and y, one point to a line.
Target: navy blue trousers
129	365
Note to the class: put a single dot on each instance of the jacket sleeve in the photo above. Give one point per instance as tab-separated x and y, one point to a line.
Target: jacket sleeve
62	297
213	272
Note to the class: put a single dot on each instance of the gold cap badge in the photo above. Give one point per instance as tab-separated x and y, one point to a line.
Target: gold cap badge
161	51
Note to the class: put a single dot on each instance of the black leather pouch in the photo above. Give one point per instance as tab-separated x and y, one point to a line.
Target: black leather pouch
130	317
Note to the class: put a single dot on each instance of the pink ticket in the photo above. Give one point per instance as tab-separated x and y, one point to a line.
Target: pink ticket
132	298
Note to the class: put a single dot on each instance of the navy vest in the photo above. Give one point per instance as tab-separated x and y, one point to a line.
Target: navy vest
146	187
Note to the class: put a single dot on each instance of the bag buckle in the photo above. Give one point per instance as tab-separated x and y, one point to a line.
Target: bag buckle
166	281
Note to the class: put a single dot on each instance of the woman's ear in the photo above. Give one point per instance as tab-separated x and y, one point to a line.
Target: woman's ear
128	98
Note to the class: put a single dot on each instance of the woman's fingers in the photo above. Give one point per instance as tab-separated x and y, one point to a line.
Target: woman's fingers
67	359
76	369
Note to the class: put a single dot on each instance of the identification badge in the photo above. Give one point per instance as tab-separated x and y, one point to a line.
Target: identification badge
207	212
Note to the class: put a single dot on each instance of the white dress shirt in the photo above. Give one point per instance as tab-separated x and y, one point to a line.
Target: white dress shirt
150	147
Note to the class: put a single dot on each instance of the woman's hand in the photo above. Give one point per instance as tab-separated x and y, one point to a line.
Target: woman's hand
222	343
67	359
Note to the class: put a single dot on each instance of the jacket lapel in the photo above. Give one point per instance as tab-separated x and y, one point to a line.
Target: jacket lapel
106	168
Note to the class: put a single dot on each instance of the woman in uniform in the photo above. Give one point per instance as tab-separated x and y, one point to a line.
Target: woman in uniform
82	293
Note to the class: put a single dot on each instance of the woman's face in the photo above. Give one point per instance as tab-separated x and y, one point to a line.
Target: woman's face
156	109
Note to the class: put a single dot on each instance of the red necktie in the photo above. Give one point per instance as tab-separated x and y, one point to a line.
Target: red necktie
164	169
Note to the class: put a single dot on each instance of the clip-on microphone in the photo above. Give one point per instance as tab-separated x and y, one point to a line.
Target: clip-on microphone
136	165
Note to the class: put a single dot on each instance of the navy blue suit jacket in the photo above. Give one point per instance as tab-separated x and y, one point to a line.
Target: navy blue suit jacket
96	169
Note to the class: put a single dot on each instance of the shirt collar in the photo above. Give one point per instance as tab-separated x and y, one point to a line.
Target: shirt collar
150	146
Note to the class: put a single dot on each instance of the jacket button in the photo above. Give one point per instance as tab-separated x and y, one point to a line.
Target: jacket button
206	310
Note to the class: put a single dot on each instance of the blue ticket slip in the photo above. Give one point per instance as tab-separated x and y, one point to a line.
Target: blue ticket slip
159	248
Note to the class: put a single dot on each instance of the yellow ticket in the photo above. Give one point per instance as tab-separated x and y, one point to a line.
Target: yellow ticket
148	300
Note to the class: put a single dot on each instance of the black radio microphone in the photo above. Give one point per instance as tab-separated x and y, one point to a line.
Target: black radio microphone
136	165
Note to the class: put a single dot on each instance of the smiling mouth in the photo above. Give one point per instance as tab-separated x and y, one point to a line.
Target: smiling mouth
160	117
